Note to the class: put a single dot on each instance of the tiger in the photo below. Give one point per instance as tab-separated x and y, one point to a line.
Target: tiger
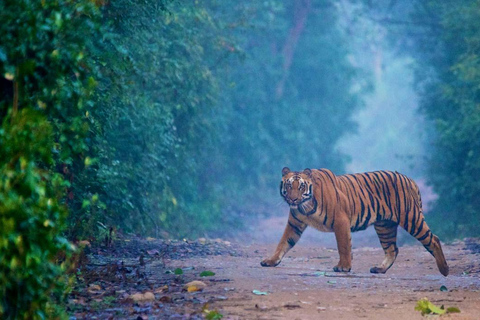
348	203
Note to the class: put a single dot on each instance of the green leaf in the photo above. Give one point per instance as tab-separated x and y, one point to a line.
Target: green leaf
3	55
213	315
207	273
426	307
259	293
453	310
178	271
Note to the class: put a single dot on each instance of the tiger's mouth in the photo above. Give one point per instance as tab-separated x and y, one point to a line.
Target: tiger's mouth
296	202
306	206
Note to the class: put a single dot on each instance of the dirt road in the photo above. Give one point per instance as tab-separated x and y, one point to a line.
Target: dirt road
303	286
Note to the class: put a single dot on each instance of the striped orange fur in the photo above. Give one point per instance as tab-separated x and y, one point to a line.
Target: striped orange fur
352	202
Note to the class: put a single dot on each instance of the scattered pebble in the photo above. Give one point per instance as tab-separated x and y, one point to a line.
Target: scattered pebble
142	297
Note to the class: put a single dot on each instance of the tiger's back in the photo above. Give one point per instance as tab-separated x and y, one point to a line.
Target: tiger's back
382	196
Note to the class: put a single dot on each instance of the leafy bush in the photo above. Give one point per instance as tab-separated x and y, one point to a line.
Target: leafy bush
31	218
45	86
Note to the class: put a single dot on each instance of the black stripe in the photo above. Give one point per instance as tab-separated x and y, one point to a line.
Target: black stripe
360	215
424	236
390	195
333	219
333	184
367	220
292	212
404	190
414	218
419	229
291	242
295	228
326	214
373	182
385	191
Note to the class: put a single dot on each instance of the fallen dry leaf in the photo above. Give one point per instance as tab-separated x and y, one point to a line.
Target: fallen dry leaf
194	286
142	297
161	289
165	299
94	287
84	243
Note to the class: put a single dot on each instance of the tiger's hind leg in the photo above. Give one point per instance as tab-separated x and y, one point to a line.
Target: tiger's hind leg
387	233
430	241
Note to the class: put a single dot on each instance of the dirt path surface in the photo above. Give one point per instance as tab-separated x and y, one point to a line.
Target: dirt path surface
303	286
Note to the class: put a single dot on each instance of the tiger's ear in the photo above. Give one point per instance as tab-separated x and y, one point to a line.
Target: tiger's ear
308	172
285	171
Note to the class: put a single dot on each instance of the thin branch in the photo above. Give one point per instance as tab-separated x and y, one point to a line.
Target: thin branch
405	22
15	94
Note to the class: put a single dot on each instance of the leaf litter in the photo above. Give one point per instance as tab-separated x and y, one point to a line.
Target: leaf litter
134	279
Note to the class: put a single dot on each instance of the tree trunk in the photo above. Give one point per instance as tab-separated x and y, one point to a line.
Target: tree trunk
301	10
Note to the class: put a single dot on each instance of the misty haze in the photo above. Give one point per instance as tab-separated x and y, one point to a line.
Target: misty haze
164	159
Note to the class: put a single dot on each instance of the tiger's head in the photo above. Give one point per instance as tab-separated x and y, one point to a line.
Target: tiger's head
296	187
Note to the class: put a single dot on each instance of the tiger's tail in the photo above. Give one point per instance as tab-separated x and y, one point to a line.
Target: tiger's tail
420	230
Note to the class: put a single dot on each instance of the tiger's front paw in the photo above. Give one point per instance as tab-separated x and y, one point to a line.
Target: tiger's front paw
340	268
270	262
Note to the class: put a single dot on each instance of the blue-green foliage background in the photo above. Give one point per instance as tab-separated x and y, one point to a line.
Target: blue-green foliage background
443	38
451	101
189	123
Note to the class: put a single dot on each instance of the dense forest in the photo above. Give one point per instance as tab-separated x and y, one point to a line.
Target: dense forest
174	119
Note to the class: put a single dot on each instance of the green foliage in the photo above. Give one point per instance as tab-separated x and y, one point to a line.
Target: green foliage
154	99
286	109
444	39
207	273
31	219
188	121
450	81
426	307
213	315
45	89
178	271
